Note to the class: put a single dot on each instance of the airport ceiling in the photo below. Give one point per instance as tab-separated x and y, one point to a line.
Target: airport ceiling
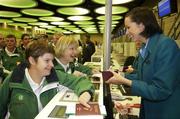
67	16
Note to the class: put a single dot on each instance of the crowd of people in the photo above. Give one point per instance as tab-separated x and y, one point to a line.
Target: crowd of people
31	68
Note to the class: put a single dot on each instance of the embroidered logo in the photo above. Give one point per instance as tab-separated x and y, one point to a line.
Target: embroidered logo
20	97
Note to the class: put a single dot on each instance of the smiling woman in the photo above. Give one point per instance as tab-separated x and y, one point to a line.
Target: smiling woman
66	54
152	80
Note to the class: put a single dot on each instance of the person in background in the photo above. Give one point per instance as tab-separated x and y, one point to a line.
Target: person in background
128	64
1	73
131	61
56	37
25	39
66	52
33	83
11	55
2	42
157	78
88	49
2	45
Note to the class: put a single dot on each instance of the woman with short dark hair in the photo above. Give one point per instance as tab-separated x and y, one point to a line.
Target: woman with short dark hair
157	75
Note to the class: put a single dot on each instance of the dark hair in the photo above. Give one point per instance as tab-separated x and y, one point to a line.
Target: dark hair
23	35
145	16
38	48
11	36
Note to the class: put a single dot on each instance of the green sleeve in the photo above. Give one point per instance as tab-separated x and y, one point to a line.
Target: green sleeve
84	69
4	97
78	84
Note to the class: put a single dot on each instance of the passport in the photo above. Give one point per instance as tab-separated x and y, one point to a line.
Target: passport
106	75
82	110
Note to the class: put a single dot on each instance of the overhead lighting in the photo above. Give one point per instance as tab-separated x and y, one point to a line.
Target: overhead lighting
114	17
9	14
51	18
113	22
67	26
28	27
114	2
38	23
115	10
49	31
56	29
17	24
18	3
5	20
63	2
60	23
84	22
78	31
79	18
37	12
67	32
87	26
48	26
73	11
25	19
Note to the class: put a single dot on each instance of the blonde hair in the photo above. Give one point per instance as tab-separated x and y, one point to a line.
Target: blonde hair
63	43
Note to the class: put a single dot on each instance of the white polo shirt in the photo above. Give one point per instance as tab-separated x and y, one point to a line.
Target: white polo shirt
37	89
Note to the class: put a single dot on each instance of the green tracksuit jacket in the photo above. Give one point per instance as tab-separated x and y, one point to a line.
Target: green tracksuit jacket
10	62
17	95
73	66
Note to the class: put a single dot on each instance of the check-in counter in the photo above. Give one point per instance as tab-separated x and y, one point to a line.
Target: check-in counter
64	104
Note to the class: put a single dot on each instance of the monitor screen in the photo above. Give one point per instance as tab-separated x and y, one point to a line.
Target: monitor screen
167	7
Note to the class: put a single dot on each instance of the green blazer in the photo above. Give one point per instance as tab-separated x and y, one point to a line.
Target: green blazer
157	79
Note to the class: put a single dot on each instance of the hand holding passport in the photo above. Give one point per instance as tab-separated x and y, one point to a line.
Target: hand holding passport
106	75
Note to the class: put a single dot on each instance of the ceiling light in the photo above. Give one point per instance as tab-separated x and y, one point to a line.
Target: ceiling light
114	17
17	24
51	18
37	12
5	20
18	3
79	18
113	22
84	22
9	14
25	19
60	23
73	11
38	23
67	26
114	2
115	10
48	26
63	2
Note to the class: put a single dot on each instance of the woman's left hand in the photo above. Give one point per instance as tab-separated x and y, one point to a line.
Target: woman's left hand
115	79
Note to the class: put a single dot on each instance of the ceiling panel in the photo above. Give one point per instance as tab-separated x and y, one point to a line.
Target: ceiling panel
68	16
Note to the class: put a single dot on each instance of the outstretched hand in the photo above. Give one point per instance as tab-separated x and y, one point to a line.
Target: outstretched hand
115	79
84	98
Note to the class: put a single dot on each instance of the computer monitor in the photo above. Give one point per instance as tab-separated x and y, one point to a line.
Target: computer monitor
167	7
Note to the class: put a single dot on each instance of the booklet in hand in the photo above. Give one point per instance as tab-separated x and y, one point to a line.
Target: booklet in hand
106	75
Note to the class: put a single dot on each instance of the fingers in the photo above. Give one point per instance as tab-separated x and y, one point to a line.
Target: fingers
77	73
84	99
123	109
